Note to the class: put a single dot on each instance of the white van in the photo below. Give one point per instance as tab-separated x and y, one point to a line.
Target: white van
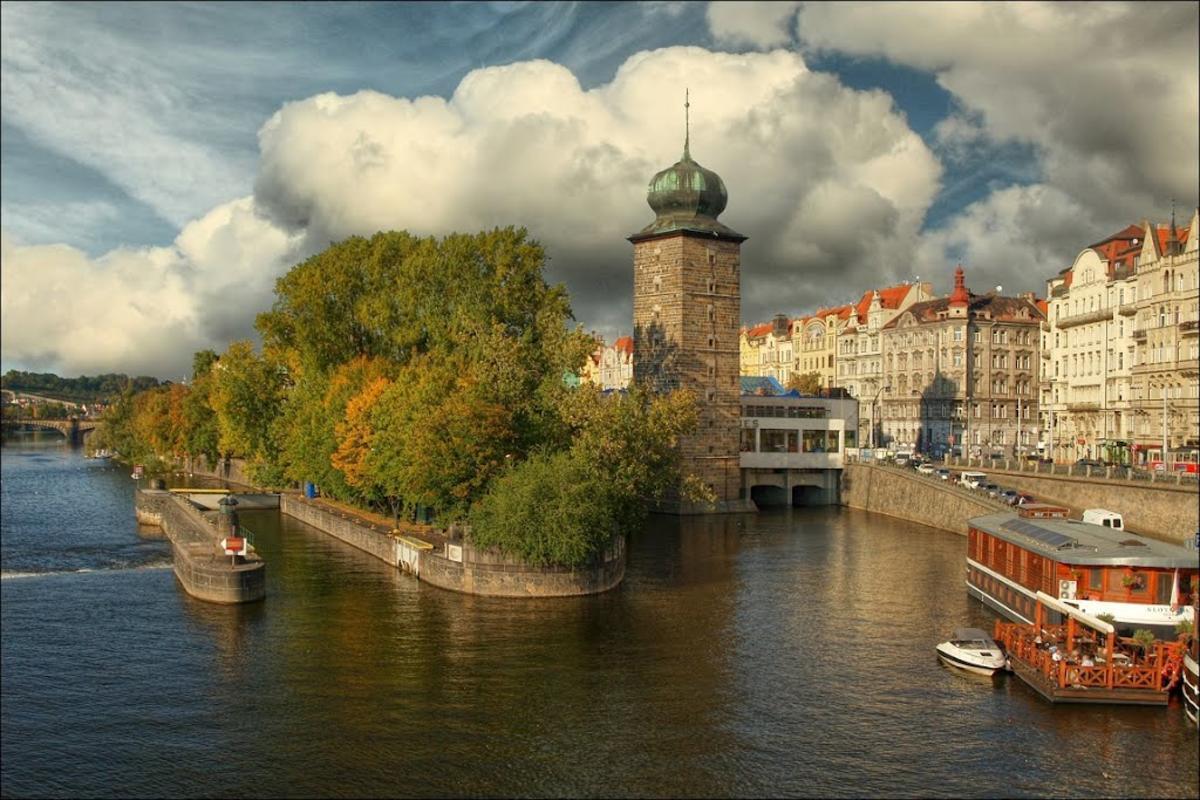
1102	516
972	480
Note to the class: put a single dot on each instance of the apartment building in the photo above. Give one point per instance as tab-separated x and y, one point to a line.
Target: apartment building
960	370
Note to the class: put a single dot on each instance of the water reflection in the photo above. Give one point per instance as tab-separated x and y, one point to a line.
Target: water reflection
785	653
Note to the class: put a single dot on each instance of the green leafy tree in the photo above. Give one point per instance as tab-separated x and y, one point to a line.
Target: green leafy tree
549	510
245	397
621	457
807	383
438	437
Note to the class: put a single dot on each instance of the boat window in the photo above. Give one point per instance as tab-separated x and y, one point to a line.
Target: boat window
1096	579
1116	579
1162	588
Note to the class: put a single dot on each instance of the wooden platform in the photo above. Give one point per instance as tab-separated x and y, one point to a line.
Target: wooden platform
1085	694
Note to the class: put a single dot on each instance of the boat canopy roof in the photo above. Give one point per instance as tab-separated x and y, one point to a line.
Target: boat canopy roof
971	634
1071	541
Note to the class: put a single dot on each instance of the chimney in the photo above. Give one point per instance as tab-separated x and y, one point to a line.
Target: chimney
1029	297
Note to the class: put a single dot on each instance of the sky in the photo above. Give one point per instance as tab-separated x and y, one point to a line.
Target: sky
162	164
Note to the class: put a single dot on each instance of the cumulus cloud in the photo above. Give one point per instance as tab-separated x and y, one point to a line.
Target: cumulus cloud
829	183
1106	94
1016	237
145	310
758	24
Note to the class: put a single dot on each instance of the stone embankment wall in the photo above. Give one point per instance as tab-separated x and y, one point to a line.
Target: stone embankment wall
1162	510
231	469
202	570
906	494
379	544
458	566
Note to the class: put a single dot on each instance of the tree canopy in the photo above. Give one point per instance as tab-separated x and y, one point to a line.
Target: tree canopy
407	372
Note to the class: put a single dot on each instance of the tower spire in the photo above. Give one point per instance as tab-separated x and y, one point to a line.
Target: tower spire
687	133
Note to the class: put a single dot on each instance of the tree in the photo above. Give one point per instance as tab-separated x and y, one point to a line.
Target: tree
565	506
305	431
548	510
245	396
439	438
807	383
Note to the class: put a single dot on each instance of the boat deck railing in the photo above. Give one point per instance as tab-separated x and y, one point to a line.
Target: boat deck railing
1154	670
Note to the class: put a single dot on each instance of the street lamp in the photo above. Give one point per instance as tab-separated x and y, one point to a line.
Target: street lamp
920	422
874	415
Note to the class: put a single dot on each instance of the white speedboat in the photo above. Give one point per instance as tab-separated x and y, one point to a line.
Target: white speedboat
973	650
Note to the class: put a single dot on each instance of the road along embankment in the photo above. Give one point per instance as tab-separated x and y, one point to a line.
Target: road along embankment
907	494
1163	510
199	563
452	562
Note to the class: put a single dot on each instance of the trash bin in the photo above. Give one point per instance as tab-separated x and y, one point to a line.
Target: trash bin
310	491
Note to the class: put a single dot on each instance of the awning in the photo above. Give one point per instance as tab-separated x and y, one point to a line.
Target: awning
1087	619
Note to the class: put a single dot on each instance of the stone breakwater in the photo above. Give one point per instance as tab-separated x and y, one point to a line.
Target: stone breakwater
455	564
199	564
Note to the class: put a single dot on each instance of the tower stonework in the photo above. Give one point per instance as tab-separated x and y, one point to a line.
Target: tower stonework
686	319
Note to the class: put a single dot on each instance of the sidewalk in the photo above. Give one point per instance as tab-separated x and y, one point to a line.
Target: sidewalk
378	522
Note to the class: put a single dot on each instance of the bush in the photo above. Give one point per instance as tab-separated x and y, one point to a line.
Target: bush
549	509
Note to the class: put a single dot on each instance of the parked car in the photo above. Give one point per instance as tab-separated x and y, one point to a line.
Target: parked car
928	469
973	480
1009	497
1024	499
944	474
1088	462
992	489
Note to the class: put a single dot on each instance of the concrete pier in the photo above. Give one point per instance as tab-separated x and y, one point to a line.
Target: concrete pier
200	565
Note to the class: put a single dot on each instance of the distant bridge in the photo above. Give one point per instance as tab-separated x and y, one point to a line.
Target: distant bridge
74	429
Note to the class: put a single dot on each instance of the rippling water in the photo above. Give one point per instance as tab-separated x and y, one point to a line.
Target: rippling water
789	653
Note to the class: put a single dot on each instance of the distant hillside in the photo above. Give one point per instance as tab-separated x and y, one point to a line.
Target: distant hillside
82	389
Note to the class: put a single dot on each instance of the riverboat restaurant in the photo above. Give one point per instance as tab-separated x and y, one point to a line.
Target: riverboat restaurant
1137	581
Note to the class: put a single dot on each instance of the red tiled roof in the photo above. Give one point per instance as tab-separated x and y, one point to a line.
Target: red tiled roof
759	330
889	297
1163	234
624	344
1002	309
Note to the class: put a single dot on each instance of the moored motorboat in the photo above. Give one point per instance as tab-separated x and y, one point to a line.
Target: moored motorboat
974	651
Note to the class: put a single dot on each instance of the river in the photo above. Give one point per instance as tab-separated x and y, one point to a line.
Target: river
788	653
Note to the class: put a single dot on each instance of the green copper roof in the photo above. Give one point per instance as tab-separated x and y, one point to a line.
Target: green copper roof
687	197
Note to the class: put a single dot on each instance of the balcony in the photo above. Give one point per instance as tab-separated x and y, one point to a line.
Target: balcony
1127	310
1083	406
1099	315
1139	334
1189	327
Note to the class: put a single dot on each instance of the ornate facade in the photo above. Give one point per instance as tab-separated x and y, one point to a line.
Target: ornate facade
960	371
1119	349
1165	315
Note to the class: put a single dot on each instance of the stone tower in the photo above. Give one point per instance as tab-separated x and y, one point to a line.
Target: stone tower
686	315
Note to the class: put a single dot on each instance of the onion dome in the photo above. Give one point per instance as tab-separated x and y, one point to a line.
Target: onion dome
687	197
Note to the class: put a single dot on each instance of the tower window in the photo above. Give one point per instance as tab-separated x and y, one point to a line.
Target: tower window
712	314
712	342
658	283
712	286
